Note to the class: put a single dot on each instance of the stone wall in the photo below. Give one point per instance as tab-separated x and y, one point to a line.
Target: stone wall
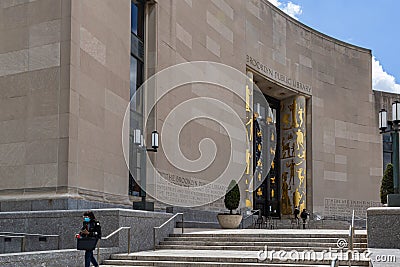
383	227
67	223
68	257
345	207
342	132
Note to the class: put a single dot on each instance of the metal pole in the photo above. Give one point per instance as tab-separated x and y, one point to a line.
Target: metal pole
23	244
129	240
98	251
154	238
183	227
395	146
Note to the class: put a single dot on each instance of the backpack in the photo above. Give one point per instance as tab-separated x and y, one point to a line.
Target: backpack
97	229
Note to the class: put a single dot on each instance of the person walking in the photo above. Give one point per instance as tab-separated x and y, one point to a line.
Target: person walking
296	212
304	215
91	228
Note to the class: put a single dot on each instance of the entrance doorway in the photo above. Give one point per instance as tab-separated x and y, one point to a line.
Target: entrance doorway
267	195
283	186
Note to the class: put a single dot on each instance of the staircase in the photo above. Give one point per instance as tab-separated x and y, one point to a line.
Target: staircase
247	247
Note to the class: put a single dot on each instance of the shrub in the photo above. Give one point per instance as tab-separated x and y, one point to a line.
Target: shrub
387	186
232	196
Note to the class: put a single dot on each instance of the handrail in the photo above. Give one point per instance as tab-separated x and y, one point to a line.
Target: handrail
23	236
251	214
351	239
116	231
17	236
13	233
165	223
112	234
335	263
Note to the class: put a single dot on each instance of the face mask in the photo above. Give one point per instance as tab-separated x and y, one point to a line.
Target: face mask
86	219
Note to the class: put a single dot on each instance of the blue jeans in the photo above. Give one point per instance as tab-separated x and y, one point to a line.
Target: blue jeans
89	258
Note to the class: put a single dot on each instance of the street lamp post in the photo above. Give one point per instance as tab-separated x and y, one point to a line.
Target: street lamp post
138	140
392	127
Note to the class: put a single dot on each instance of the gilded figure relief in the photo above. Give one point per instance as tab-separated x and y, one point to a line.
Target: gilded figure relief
250	133
300	112
248	94
285	121
293	109
291	165
286	206
293	144
302	155
301	176
248	203
259	192
302	205
248	157
299	139
285	149
297	197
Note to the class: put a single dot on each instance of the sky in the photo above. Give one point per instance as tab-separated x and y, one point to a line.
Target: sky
371	24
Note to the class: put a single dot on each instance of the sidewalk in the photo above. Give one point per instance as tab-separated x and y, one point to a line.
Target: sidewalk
385	257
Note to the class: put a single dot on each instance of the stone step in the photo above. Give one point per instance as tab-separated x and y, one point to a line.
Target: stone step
258	239
297	234
194	224
134	263
214	257
244	247
253	248
249	244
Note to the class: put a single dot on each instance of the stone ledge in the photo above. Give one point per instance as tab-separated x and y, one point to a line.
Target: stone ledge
66	223
64	213
383	227
384	211
66	257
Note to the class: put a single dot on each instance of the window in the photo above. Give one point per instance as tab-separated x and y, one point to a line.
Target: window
137	21
136	154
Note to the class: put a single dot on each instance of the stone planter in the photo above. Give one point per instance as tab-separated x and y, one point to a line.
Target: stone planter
229	221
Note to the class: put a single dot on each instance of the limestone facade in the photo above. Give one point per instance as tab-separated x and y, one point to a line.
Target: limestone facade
64	88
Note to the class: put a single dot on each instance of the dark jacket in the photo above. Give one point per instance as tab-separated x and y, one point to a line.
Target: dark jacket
304	215
93	228
296	212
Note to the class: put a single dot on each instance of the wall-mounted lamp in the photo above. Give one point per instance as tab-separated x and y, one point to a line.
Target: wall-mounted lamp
154	142
136	136
138	140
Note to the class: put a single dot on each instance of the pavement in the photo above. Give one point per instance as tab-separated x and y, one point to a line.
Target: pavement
385	257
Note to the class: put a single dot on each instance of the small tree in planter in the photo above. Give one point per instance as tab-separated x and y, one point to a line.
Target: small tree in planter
232	196
387	186
232	199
